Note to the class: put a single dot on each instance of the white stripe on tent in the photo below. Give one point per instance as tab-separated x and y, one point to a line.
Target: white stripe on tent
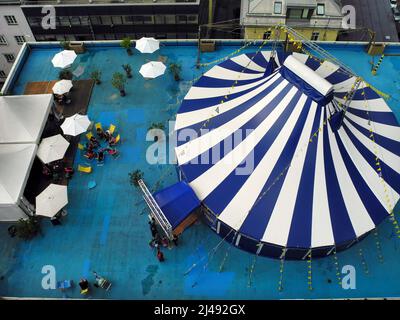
321	228
388	157
247	63
301	57
209	180
227	74
237	210
278	228
195	147
326	69
368	173
267	56
346	85
388	131
206	92
187	119
373	105
358	214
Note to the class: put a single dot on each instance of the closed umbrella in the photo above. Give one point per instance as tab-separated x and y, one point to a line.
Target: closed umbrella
51	200
62	86
152	69
64	59
75	124
52	148
147	45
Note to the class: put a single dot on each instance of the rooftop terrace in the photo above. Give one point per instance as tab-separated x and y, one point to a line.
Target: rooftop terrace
106	229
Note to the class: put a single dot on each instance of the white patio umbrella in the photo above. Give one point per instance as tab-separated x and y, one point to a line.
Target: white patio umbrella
75	124
64	59
152	69
52	148
147	45
62	86
51	200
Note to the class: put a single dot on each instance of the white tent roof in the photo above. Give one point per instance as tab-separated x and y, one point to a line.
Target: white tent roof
22	118
16	161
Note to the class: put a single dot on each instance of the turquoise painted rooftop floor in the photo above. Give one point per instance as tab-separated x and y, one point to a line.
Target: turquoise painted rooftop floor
106	229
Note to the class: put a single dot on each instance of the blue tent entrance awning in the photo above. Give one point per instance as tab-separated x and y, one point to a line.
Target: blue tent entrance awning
177	202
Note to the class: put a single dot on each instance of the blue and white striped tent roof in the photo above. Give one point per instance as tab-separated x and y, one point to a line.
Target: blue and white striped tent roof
306	191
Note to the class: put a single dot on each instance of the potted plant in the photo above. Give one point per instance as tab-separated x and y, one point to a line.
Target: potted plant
135	176
118	81
127	43
175	70
65	75
96	76
65	45
27	228
128	70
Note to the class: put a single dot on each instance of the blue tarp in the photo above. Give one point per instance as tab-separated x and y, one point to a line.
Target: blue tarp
177	202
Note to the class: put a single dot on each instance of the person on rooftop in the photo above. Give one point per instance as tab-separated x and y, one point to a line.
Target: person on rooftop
100	133
160	255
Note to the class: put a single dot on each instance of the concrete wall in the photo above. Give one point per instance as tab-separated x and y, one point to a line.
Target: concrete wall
9	31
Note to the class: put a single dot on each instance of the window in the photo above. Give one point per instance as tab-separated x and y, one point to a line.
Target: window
170	19
117	20
20	39
34	21
96	20
305	13
320	9
193	19
64	21
137	19
3	40
75	21
148	20
267	35
277	7
11	20
181	19
315	36
159	19
2	74
9	57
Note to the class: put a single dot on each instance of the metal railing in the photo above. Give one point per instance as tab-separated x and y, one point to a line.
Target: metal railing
155	210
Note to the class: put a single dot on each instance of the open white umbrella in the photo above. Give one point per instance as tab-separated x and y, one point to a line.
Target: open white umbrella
52	148
64	59
62	86
147	45
152	69
51	200
75	124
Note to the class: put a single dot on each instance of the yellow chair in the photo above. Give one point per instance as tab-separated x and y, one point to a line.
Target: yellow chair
84	169
117	138
85	291
98	126
111	128
89	135
81	146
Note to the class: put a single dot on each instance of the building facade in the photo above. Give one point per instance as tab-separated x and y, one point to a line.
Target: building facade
111	20
315	19
14	31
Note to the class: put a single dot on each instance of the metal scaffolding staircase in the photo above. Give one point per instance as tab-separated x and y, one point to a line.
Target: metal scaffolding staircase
155	210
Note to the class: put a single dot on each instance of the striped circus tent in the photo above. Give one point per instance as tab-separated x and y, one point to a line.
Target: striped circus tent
278	165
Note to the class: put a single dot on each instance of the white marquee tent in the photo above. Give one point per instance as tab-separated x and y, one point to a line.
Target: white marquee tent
22	120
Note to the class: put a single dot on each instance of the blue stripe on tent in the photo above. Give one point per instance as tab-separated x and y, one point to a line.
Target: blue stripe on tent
227	116
374	207
257	220
231	65
225	191
391	176
193	172
389	144
301	225
281	57
337	77
197	104
259	59
312	64
358	95
209	82
376	116
341	224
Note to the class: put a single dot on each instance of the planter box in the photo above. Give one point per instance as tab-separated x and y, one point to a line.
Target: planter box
78	47
207	45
